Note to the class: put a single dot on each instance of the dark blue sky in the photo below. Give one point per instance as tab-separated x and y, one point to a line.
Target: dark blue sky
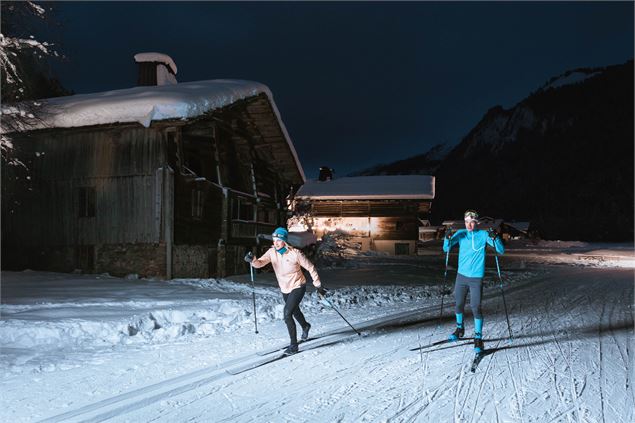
356	83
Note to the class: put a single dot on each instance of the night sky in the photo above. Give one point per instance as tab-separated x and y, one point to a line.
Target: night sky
360	83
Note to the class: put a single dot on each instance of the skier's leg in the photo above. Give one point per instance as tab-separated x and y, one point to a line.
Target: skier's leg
297	313
476	292
291	302
460	293
299	316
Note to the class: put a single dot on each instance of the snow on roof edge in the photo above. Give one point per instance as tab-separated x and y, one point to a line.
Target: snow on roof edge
370	187
368	197
144	105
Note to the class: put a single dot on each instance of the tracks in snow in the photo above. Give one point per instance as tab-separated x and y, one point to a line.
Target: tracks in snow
142	397
539	377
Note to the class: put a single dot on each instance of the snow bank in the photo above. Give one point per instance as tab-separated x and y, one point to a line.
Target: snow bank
111	324
156	326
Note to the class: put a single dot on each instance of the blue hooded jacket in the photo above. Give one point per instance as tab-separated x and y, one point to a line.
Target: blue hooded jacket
472	250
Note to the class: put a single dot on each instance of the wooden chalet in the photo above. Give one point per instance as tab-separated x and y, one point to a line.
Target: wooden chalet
160	181
382	212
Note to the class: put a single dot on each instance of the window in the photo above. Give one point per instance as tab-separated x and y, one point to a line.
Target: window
266	215
198	199
242	209
402	249
86	196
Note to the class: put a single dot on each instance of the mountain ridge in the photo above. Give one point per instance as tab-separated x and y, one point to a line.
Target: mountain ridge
561	158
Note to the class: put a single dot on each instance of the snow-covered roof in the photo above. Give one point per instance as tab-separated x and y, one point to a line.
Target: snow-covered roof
141	104
156	57
397	187
144	105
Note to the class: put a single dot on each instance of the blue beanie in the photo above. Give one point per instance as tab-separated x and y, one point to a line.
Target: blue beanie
280	233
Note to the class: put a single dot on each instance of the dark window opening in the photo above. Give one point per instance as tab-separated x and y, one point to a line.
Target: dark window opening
174	152
198	200
402	249
194	164
86	197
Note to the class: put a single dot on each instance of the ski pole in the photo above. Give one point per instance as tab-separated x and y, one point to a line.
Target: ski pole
253	295
509	327
445	278
338	312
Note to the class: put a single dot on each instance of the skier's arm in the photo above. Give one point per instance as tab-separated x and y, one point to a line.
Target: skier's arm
306	263
448	243
262	261
497	243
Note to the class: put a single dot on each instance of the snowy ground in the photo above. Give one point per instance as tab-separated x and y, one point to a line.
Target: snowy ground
94	347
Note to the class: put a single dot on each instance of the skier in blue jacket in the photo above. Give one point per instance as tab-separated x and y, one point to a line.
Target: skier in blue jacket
472	244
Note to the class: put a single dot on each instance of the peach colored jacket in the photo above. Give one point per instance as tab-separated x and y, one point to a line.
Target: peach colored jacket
288	268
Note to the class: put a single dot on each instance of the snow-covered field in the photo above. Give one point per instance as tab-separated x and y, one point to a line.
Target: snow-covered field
94	347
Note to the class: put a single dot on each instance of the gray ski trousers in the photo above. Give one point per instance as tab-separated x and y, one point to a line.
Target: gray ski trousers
475	286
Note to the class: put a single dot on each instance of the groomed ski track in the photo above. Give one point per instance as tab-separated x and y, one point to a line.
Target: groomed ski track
569	326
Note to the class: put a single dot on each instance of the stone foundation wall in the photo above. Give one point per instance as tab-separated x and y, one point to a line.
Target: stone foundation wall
192	261
146	260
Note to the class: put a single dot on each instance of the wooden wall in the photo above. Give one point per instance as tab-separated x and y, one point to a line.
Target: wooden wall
116	168
367	207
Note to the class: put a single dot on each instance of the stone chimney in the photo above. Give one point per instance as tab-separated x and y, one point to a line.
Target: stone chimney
155	69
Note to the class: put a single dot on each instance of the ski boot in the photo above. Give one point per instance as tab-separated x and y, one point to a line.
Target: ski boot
479	347
305	332
291	349
457	334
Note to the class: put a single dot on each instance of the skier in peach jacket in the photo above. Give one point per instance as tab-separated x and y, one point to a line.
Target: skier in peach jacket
287	264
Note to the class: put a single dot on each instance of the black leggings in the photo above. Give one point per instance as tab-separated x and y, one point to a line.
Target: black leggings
292	309
475	285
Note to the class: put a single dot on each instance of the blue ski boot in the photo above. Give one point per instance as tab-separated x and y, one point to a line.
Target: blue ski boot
479	347
457	334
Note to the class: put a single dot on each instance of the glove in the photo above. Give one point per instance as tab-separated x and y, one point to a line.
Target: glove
249	257
321	291
492	234
449	233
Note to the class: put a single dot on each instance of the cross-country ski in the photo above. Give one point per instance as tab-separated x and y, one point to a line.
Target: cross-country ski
450	342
